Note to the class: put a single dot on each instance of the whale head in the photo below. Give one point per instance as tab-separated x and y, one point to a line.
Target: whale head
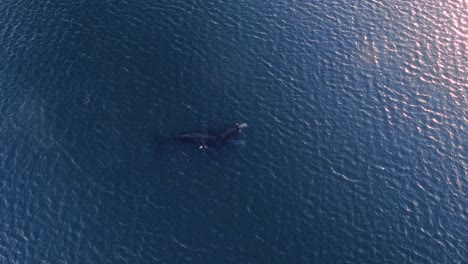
242	126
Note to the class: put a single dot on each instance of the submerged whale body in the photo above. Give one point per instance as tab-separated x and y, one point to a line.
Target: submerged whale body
205	140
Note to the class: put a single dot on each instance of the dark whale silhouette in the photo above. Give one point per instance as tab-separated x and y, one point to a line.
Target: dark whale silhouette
205	140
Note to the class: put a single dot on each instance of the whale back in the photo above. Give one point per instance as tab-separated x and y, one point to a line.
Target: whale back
207	140
231	132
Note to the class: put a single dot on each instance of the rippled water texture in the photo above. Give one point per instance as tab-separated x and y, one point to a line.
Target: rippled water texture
356	150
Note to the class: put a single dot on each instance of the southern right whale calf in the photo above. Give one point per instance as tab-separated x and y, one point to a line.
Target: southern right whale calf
206	140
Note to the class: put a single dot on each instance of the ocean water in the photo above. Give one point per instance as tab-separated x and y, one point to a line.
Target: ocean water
356	150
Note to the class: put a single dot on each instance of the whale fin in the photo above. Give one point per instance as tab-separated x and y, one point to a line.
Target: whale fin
203	146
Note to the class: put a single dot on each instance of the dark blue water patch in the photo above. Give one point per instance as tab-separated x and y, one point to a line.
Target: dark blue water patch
354	152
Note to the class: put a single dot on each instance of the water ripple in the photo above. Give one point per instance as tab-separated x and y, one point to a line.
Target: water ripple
356	150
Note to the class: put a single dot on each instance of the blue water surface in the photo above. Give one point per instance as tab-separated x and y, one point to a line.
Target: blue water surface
356	150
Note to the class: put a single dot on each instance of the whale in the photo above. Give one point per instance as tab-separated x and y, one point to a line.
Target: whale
205	140
201	138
